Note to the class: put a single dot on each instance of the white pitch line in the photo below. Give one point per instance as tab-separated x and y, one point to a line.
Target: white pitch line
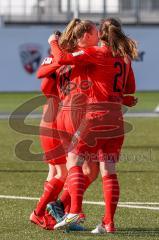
94	203
121	204
5	116
139	207
142	114
140	203
18	197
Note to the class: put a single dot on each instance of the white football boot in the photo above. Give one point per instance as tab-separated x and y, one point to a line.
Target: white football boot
101	229
67	220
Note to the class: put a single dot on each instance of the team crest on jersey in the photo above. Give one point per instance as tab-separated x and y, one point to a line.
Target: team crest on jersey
30	55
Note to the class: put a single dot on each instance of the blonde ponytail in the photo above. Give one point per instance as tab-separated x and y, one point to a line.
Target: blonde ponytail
73	32
111	33
67	41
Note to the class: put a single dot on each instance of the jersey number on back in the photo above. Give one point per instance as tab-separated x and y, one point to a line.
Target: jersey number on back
65	74
119	79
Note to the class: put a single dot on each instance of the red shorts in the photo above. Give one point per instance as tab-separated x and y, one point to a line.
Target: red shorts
68	123
50	140
105	135
110	150
86	134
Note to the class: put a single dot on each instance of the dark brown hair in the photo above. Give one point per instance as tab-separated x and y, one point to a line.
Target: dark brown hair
73	32
112	34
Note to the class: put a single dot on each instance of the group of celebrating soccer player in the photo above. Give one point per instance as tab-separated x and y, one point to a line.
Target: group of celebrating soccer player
87	79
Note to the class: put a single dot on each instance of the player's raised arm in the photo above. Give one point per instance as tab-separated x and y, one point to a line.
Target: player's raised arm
75	43
81	56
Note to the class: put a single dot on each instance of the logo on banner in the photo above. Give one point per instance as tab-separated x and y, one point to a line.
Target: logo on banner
30	55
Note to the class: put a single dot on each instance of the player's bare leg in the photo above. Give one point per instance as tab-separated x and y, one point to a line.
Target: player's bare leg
52	172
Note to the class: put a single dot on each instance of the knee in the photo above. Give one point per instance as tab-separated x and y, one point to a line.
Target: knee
74	160
61	177
91	171
107	169
93	175
61	173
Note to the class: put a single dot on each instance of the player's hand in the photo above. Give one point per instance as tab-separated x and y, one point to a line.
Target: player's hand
130	101
53	37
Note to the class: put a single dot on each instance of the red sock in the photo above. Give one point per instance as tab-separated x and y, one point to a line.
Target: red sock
66	198
111	197
51	191
76	188
45	184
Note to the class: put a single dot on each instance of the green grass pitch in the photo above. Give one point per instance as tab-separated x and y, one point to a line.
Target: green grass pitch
9	101
138	172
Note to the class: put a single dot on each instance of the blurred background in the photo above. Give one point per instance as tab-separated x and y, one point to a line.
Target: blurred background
25	26
61	11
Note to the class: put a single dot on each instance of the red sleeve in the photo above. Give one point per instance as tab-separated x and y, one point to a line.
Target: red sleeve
130	87
47	86
85	56
56	51
48	67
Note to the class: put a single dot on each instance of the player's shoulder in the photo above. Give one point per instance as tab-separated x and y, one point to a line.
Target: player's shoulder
78	53
107	51
93	49
83	51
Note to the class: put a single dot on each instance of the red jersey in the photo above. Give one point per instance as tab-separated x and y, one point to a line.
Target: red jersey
47	71
109	77
71	81
47	68
48	86
92	75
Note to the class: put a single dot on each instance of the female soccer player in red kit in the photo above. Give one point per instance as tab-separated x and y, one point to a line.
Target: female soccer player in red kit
76	184
57	166
47	70
112	77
